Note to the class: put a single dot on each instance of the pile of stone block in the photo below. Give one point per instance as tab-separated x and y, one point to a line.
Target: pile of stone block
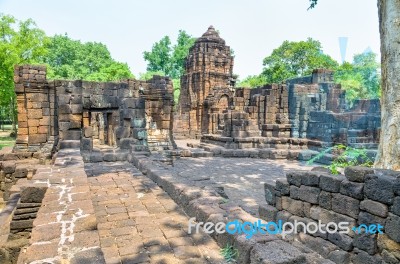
239	125
363	196
10	172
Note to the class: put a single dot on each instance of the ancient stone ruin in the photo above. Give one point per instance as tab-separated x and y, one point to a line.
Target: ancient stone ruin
111	172
280	120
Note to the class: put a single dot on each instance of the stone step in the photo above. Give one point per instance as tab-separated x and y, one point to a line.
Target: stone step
70	144
202	154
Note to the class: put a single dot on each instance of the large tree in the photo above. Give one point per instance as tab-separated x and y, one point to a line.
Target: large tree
169	59
360	79
294	59
389	25
21	42
92	61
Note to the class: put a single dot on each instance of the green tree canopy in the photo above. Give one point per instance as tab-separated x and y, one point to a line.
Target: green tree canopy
252	81
167	58
294	59
21	42
361	79
72	59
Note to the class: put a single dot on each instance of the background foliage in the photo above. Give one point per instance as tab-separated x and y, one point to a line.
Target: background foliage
22	42
166	59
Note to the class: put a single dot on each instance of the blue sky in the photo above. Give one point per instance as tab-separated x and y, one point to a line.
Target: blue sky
253	28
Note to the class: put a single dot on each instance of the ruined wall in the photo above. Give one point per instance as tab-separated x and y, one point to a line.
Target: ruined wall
209	65
36	110
357	127
90	113
362	196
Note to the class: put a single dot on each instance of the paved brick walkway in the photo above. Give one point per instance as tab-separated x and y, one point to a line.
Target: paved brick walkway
242	178
139	223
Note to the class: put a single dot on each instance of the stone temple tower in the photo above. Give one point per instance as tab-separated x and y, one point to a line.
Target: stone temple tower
208	67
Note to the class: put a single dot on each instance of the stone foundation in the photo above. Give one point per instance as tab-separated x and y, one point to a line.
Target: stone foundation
362	196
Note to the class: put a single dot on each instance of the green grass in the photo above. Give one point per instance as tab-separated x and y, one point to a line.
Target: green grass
229	253
6	141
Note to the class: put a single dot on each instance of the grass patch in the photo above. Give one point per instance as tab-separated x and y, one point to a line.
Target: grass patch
229	253
6	141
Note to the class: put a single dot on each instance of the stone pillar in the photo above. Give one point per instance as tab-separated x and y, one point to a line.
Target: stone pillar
33	105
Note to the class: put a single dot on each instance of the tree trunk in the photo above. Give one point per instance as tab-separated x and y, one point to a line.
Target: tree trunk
389	23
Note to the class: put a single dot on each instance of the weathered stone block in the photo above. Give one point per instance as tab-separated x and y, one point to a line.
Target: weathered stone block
270	193
370	219
310	179
309	194
76	108
64	109
37	139
294	177
392	228
325	200
63	126
319	245
138	123
363	257
33	194
21	172
341	240
386	243
307	209
326	216
345	205
21	224
331	183
283	216
357	174
278	252
43	130
139	133
375	208
33	130
294	192
267	212
294	207
388	257
8	167
35	113
366	242
125	143
379	188
22	131
86	144
282	186
339	256
88	131
352	189
33	122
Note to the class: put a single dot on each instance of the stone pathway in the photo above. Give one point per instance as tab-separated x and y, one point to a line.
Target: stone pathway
139	223
242	178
